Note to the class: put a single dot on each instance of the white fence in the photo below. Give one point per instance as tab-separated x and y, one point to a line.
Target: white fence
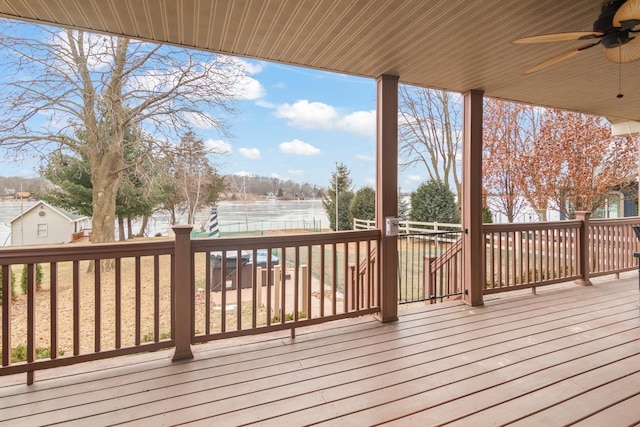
408	227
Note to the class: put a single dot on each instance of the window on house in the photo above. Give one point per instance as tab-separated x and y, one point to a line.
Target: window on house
42	230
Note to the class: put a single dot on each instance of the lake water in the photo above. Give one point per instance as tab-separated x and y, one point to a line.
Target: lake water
232	217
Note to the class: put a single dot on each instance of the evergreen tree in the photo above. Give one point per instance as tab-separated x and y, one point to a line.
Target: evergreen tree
434	201
137	195
403	208
72	179
23	278
12	281
340	181
363	204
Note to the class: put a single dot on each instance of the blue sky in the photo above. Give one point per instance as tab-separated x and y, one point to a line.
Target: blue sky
290	123
296	123
301	124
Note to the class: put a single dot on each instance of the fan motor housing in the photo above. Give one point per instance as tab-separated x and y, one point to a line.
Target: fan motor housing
613	36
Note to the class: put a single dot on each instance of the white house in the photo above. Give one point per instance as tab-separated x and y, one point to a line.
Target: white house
45	224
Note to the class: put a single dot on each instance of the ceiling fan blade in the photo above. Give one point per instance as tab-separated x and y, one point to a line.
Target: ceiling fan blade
551	61
628	15
559	37
628	52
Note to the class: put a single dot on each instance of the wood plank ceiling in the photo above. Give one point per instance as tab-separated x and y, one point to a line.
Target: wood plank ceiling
450	44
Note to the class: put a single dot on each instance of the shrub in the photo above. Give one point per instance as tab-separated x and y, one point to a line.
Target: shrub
19	353
288	317
23	278
363	204
12	284
149	336
434	201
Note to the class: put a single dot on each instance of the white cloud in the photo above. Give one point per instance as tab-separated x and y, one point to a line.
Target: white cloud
310	115
318	115
371	181
364	158
250	153
359	123
218	146
244	173
295	172
249	88
275	175
298	147
414	178
250	66
265	104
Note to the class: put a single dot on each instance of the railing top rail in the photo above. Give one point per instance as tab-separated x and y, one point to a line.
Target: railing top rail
76	252
265	242
615	221
528	226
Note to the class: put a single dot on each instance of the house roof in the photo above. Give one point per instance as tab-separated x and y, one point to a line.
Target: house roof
454	44
71	217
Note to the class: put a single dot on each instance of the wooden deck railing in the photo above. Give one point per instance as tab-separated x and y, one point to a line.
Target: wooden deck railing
612	243
527	255
94	305
263	284
106	300
523	255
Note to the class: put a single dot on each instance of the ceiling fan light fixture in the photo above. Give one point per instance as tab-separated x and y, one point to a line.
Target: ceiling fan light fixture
628	15
624	53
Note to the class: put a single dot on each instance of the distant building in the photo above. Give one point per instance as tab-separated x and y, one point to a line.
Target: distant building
621	202
22	194
44	224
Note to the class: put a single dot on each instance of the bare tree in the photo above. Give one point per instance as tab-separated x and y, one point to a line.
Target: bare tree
506	133
196	182
429	131
591	162
539	164
79	92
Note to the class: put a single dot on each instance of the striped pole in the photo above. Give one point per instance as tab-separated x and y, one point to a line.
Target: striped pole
213	227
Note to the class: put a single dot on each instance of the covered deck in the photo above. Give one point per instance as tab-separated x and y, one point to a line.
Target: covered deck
569	354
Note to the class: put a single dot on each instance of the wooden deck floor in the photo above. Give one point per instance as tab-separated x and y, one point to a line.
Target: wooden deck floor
564	356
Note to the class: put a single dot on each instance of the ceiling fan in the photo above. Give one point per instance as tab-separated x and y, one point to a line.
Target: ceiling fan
614	29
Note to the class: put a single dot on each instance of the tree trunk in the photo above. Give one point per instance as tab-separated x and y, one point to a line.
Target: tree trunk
121	235
542	214
143	227
129	228
104	207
